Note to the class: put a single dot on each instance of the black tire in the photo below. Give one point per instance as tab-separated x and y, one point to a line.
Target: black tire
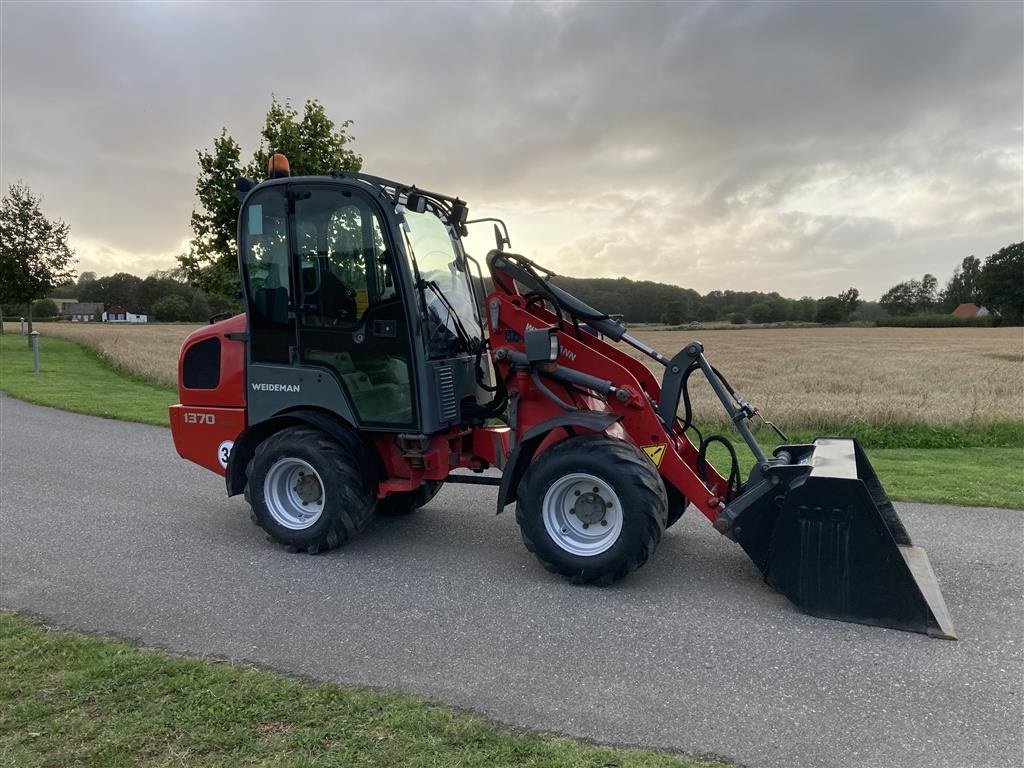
618	466
347	506
407	502
677	504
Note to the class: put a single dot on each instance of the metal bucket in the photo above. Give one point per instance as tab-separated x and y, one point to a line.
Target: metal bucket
824	533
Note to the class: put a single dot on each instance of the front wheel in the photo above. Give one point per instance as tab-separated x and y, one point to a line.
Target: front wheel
592	508
307	491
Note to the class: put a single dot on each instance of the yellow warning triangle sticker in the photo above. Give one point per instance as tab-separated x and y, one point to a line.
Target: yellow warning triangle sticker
655	453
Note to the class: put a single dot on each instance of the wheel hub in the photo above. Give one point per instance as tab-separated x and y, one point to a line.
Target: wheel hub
590	508
308	488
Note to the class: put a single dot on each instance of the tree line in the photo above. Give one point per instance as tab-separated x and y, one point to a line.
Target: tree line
998	285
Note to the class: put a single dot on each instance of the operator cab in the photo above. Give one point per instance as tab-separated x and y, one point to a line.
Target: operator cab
359	301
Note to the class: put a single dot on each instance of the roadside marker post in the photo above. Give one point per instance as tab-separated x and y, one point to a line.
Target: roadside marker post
34	343
22	326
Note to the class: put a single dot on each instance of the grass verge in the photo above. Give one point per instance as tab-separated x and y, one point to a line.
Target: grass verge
72	699
74	378
970	477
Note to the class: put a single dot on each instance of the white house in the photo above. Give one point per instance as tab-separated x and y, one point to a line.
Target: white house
117	314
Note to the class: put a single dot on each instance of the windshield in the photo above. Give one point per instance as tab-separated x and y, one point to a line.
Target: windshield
438	261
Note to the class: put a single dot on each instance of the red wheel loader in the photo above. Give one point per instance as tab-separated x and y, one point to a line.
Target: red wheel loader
367	367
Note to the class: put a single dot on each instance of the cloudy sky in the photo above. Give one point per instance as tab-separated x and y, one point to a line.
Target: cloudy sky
794	147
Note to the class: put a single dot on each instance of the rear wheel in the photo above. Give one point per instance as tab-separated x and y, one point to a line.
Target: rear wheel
407	502
592	508
307	491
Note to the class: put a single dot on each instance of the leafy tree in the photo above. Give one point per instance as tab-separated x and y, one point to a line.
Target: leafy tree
313	143
34	253
964	287
738	318
171	309
831	311
674	314
927	295
761	312
120	289
45	308
198	308
851	300
902	298
1002	283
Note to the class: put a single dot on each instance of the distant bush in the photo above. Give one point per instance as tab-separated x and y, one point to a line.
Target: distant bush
738	318
44	308
937	321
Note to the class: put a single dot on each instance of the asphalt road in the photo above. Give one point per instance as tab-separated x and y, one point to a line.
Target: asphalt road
103	528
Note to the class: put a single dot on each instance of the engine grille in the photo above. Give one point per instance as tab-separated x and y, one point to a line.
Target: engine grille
446	391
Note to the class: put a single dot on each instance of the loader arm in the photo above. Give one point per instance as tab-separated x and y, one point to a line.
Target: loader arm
814	518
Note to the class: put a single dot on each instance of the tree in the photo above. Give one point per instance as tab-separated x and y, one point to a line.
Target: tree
964	287
171	309
902	298
45	308
1002	283
314	144
831	311
927	294
851	300
761	312
199	308
121	289
34	253
738	318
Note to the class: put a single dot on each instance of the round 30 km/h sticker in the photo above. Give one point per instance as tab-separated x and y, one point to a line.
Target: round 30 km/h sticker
223	451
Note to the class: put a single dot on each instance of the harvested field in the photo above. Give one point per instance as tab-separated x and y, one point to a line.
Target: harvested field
148	351
824	377
799	377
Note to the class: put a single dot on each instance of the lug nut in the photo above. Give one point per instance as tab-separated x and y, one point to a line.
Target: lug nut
608	504
586	525
577	493
595	489
604	522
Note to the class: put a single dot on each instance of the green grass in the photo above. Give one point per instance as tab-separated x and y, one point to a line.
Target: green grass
1004	434
75	700
971	477
74	378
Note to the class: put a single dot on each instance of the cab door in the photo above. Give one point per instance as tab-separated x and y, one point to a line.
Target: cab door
351	315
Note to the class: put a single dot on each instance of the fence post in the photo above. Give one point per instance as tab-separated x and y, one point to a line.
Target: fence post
34	341
22	331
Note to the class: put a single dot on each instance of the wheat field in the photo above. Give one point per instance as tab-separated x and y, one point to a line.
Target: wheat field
799	377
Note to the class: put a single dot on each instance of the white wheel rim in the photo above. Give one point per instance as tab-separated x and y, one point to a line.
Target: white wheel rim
582	514
294	494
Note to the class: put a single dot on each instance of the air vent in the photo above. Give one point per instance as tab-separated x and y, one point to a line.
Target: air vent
446	390
201	367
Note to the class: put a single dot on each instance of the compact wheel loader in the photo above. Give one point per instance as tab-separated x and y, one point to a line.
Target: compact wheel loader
367	367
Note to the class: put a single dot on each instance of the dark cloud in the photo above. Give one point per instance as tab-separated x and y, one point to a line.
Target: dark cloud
793	147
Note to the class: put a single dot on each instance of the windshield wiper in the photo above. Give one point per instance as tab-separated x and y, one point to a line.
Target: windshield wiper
459	327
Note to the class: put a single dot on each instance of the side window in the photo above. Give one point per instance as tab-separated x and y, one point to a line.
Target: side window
343	259
267	274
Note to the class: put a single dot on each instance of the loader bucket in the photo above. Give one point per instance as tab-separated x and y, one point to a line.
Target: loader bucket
834	545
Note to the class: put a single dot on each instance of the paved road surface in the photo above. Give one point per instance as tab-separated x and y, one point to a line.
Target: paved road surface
103	528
